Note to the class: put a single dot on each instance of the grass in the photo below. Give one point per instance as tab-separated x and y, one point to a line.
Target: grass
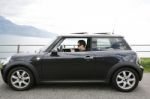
0	66
145	62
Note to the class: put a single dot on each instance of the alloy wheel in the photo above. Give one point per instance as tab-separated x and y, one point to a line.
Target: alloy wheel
125	79
20	79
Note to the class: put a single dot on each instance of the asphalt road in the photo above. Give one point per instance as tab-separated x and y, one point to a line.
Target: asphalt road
76	91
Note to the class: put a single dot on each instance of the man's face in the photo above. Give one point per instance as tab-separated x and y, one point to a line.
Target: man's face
81	47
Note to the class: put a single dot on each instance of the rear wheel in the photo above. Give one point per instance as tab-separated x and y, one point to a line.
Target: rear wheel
20	78
125	79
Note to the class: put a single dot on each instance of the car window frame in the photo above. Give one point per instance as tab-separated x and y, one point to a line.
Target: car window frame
63	38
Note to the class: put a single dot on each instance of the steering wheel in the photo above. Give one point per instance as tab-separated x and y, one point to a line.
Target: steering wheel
60	49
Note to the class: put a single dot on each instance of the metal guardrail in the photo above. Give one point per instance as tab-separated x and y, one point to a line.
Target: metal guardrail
19	46
141	45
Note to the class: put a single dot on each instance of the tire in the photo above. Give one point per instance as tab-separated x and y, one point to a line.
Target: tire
20	78
125	79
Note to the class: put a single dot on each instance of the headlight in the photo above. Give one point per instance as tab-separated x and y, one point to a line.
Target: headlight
5	61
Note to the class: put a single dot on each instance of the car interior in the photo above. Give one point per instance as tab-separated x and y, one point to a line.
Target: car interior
71	45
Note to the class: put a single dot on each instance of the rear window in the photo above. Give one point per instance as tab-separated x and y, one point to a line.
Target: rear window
103	44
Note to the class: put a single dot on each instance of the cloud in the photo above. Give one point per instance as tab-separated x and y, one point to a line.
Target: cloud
63	16
13	7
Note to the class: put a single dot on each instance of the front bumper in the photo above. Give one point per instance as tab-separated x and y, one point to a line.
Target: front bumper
3	76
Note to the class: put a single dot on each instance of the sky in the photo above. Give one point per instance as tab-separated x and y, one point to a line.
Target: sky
130	18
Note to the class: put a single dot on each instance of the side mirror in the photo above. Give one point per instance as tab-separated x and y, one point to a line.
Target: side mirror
54	53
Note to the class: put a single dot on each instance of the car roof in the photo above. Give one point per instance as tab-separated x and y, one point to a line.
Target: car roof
85	34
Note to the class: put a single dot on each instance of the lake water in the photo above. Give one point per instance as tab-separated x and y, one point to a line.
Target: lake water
20	40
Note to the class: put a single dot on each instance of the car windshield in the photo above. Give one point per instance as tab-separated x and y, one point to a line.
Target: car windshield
48	44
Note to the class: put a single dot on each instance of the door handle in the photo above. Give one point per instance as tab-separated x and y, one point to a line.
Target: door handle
88	57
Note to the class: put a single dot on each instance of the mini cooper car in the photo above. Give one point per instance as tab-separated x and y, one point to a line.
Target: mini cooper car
81	57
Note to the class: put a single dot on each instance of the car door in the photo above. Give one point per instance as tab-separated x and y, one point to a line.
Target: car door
68	66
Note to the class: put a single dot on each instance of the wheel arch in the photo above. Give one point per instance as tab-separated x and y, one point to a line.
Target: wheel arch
21	64
119	66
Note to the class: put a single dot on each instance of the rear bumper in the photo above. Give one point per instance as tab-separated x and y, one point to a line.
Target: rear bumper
141	72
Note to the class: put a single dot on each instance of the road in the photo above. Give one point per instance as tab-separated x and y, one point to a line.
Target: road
76	91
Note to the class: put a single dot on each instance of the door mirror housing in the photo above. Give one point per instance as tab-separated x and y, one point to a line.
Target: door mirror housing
54	53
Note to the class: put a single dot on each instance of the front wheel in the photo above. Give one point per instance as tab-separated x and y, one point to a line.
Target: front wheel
20	78
125	79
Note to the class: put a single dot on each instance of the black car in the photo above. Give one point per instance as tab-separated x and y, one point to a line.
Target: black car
104	58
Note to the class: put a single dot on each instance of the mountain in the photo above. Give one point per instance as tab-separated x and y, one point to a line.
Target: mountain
8	27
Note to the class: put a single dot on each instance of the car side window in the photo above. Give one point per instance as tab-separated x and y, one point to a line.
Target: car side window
71	45
104	44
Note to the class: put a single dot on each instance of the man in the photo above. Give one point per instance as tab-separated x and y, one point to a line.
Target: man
81	45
